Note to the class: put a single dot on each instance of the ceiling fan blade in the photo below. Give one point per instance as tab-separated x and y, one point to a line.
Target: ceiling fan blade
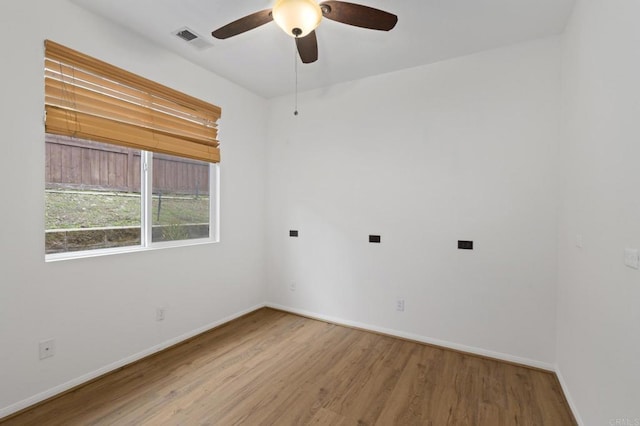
308	48
242	25
358	15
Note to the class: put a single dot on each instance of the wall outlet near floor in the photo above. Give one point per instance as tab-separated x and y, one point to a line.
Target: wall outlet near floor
292	286
47	348
400	305
631	258
160	313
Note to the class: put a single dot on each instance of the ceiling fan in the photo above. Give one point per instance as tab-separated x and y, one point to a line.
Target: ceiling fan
300	18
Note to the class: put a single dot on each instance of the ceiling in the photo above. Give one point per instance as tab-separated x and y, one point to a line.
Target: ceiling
262	60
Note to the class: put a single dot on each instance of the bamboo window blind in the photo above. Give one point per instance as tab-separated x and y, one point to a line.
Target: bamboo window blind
90	99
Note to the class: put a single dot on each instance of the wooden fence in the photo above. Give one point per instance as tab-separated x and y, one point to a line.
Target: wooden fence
87	165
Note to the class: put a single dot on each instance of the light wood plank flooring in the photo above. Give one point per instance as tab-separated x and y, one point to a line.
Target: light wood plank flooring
274	368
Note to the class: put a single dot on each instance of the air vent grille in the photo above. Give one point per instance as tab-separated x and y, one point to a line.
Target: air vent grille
186	35
192	38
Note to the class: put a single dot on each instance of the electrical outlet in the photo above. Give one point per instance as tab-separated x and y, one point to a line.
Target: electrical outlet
292	286
631	258
400	305
160	313
47	348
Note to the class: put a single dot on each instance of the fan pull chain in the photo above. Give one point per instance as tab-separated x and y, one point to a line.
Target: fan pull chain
295	66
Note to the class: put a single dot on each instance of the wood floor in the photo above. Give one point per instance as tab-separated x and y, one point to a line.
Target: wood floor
274	368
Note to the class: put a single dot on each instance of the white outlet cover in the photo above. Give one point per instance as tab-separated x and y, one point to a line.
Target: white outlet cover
160	314
47	348
631	258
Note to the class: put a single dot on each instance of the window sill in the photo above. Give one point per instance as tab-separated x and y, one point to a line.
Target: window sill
57	257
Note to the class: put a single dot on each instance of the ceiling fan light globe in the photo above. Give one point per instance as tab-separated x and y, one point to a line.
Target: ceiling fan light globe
297	18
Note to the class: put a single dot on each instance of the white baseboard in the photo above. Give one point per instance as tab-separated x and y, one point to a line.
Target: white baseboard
418	338
567	395
7	411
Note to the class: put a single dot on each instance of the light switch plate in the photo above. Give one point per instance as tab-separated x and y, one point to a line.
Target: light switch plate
631	258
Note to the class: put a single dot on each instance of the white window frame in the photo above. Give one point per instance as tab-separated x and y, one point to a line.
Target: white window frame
146	219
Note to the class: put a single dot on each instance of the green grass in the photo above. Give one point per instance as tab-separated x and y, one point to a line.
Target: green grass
181	210
90	209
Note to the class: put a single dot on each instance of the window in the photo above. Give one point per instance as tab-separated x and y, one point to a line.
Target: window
130	164
181	204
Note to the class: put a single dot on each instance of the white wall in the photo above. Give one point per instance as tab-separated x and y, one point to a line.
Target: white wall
599	298
462	149
102	310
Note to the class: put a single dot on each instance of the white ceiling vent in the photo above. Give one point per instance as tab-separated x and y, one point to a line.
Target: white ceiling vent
192	38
